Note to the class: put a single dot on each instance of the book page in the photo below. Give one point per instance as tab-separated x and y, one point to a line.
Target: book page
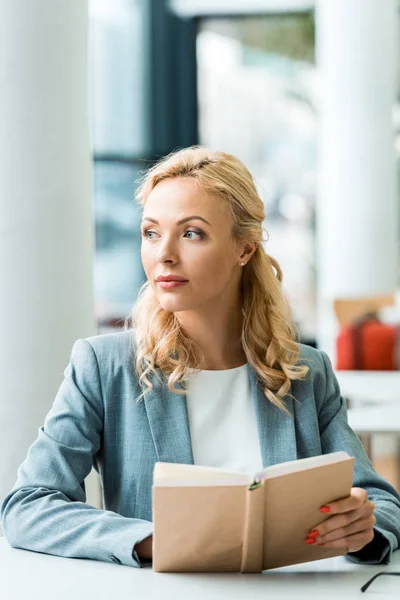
301	465
168	474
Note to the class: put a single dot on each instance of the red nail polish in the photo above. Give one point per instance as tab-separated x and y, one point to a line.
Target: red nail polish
325	509
314	533
310	540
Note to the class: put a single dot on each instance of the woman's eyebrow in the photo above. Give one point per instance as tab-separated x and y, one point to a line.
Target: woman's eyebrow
181	221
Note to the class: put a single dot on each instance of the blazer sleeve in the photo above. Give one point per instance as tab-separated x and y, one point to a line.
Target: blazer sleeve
46	509
336	434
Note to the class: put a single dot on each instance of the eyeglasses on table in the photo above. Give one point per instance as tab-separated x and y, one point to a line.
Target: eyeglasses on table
366	585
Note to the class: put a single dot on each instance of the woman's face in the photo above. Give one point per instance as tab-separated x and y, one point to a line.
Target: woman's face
186	233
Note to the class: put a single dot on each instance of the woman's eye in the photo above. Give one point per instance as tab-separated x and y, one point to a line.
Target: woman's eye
198	233
147	233
190	234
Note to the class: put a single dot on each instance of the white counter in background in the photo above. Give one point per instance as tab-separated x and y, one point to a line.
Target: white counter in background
369	387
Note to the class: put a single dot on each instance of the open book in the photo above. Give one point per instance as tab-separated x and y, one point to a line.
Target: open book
209	519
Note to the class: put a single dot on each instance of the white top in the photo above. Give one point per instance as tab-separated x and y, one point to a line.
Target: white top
222	420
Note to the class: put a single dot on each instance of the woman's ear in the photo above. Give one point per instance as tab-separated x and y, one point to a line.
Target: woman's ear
248	250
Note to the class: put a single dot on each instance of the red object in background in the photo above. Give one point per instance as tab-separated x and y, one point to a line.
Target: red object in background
368	345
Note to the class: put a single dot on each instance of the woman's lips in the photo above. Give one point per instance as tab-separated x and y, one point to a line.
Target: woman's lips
168	285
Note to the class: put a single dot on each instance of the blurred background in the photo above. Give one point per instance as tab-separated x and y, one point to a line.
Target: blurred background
245	83
306	93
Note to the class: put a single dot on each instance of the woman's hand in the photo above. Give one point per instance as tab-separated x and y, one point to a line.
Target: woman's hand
351	526
144	548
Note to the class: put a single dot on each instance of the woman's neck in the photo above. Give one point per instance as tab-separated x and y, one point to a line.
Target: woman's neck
217	338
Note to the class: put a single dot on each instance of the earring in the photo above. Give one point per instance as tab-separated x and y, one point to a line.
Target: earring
242	264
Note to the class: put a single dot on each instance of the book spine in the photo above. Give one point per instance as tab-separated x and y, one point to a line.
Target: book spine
252	553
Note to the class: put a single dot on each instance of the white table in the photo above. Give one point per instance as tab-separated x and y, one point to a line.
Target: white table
369	386
374	400
371	420
31	576
375	419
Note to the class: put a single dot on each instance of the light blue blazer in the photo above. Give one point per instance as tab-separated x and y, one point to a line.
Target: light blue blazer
96	419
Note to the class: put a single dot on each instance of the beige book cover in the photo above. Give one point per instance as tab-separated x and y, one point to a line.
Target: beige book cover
208	519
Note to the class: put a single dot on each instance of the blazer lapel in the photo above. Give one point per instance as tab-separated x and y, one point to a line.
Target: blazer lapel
276	429
169	424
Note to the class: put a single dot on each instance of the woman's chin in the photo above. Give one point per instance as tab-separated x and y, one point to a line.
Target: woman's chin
173	306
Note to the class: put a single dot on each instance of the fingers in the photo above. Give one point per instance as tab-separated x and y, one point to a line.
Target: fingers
352	543
348	530
351	526
342	521
357	498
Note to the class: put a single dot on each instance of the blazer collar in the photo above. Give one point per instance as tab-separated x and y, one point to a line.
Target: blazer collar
169	423
168	418
276	429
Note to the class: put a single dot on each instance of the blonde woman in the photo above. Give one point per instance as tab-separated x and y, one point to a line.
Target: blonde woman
208	372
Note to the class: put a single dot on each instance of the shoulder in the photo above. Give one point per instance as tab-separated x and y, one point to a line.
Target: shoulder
313	358
320	374
109	351
111	343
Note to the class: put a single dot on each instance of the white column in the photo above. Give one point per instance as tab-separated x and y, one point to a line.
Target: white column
46	220
357	216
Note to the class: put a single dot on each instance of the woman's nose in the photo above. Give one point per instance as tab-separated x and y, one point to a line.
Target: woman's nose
167	253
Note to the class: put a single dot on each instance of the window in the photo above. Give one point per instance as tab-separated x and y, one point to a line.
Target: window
120	144
255	83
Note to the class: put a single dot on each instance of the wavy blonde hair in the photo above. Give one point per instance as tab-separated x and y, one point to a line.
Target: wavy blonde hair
268	333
